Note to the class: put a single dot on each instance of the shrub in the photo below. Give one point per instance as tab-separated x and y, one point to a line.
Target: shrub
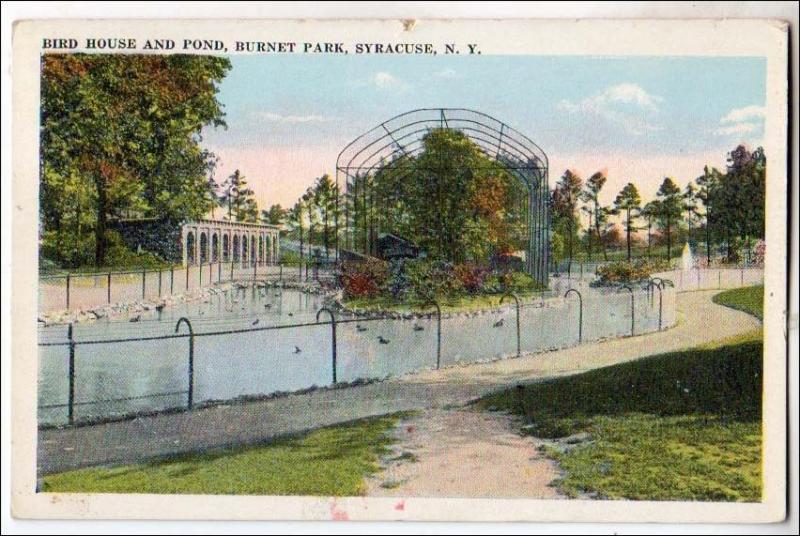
363	279
471	276
621	272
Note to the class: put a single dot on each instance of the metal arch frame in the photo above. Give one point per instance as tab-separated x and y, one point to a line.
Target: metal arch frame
402	136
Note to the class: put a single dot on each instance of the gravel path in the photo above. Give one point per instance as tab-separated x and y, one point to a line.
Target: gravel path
254	422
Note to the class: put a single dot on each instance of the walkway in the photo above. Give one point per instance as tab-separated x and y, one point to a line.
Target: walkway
137	439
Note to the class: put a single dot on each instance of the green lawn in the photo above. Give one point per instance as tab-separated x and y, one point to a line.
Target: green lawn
748	299
677	426
328	461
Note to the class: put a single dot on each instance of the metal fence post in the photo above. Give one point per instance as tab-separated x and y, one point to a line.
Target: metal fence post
633	310
200	274
231	270
171	278
71	400
187	275
143	282
516	301
68	291
219	272
159	282
108	289
438	332
190	393
333	338
280	272
650	285
580	312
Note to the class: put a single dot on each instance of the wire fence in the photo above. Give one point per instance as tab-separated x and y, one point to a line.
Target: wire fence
76	291
86	380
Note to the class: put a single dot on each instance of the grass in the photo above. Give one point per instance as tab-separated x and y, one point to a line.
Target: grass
328	462
678	426
748	299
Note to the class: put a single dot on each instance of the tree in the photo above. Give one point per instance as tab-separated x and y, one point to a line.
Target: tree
670	209
125	130
238	198
650	212
565	206
295	217
275	215
323	200
628	202
597	213
707	185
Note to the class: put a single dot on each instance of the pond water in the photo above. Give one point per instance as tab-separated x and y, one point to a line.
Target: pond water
118	378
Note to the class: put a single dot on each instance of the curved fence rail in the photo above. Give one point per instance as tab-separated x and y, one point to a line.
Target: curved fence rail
100	379
78	291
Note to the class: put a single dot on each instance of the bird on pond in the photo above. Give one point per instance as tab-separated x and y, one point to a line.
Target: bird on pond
160	307
418	328
267	305
297	349
136	318
382	340
359	327
499	323
255	322
290	314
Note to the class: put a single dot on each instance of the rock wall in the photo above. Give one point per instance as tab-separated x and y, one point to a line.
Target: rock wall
159	236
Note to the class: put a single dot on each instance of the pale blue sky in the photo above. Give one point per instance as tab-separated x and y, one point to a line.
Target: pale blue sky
642	118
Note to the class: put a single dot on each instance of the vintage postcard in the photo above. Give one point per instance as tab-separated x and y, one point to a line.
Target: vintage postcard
400	270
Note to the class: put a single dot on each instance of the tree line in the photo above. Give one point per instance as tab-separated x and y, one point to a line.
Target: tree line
721	210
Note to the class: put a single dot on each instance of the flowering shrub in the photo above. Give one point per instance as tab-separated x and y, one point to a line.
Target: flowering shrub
759	251
363	279
471	276
621	272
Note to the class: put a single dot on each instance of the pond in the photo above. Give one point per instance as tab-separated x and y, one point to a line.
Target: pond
283	349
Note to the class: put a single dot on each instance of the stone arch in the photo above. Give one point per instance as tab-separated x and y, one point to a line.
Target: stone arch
190	239
215	247
203	248
236	251
226	248
268	248
244	249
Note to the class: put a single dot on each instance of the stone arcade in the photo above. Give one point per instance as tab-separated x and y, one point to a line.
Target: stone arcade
202	241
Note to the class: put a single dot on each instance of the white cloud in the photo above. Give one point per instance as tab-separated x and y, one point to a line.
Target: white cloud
737	128
278	118
627	105
385	80
744	114
446	73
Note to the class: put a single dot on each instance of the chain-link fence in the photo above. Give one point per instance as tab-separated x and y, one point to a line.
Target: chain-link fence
79	291
176	366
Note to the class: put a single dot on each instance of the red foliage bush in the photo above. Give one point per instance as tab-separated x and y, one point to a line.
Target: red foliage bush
471	276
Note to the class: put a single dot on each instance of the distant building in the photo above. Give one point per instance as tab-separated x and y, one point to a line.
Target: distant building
390	246
202	241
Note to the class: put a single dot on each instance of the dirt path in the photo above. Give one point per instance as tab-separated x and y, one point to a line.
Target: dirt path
463	453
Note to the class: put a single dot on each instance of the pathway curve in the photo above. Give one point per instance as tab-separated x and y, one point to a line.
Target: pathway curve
699	321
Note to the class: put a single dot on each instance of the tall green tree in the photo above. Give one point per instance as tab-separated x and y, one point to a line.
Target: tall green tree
275	215
628	202
670	210
707	185
324	202
239	199
598	214
650	212
566	195
126	129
